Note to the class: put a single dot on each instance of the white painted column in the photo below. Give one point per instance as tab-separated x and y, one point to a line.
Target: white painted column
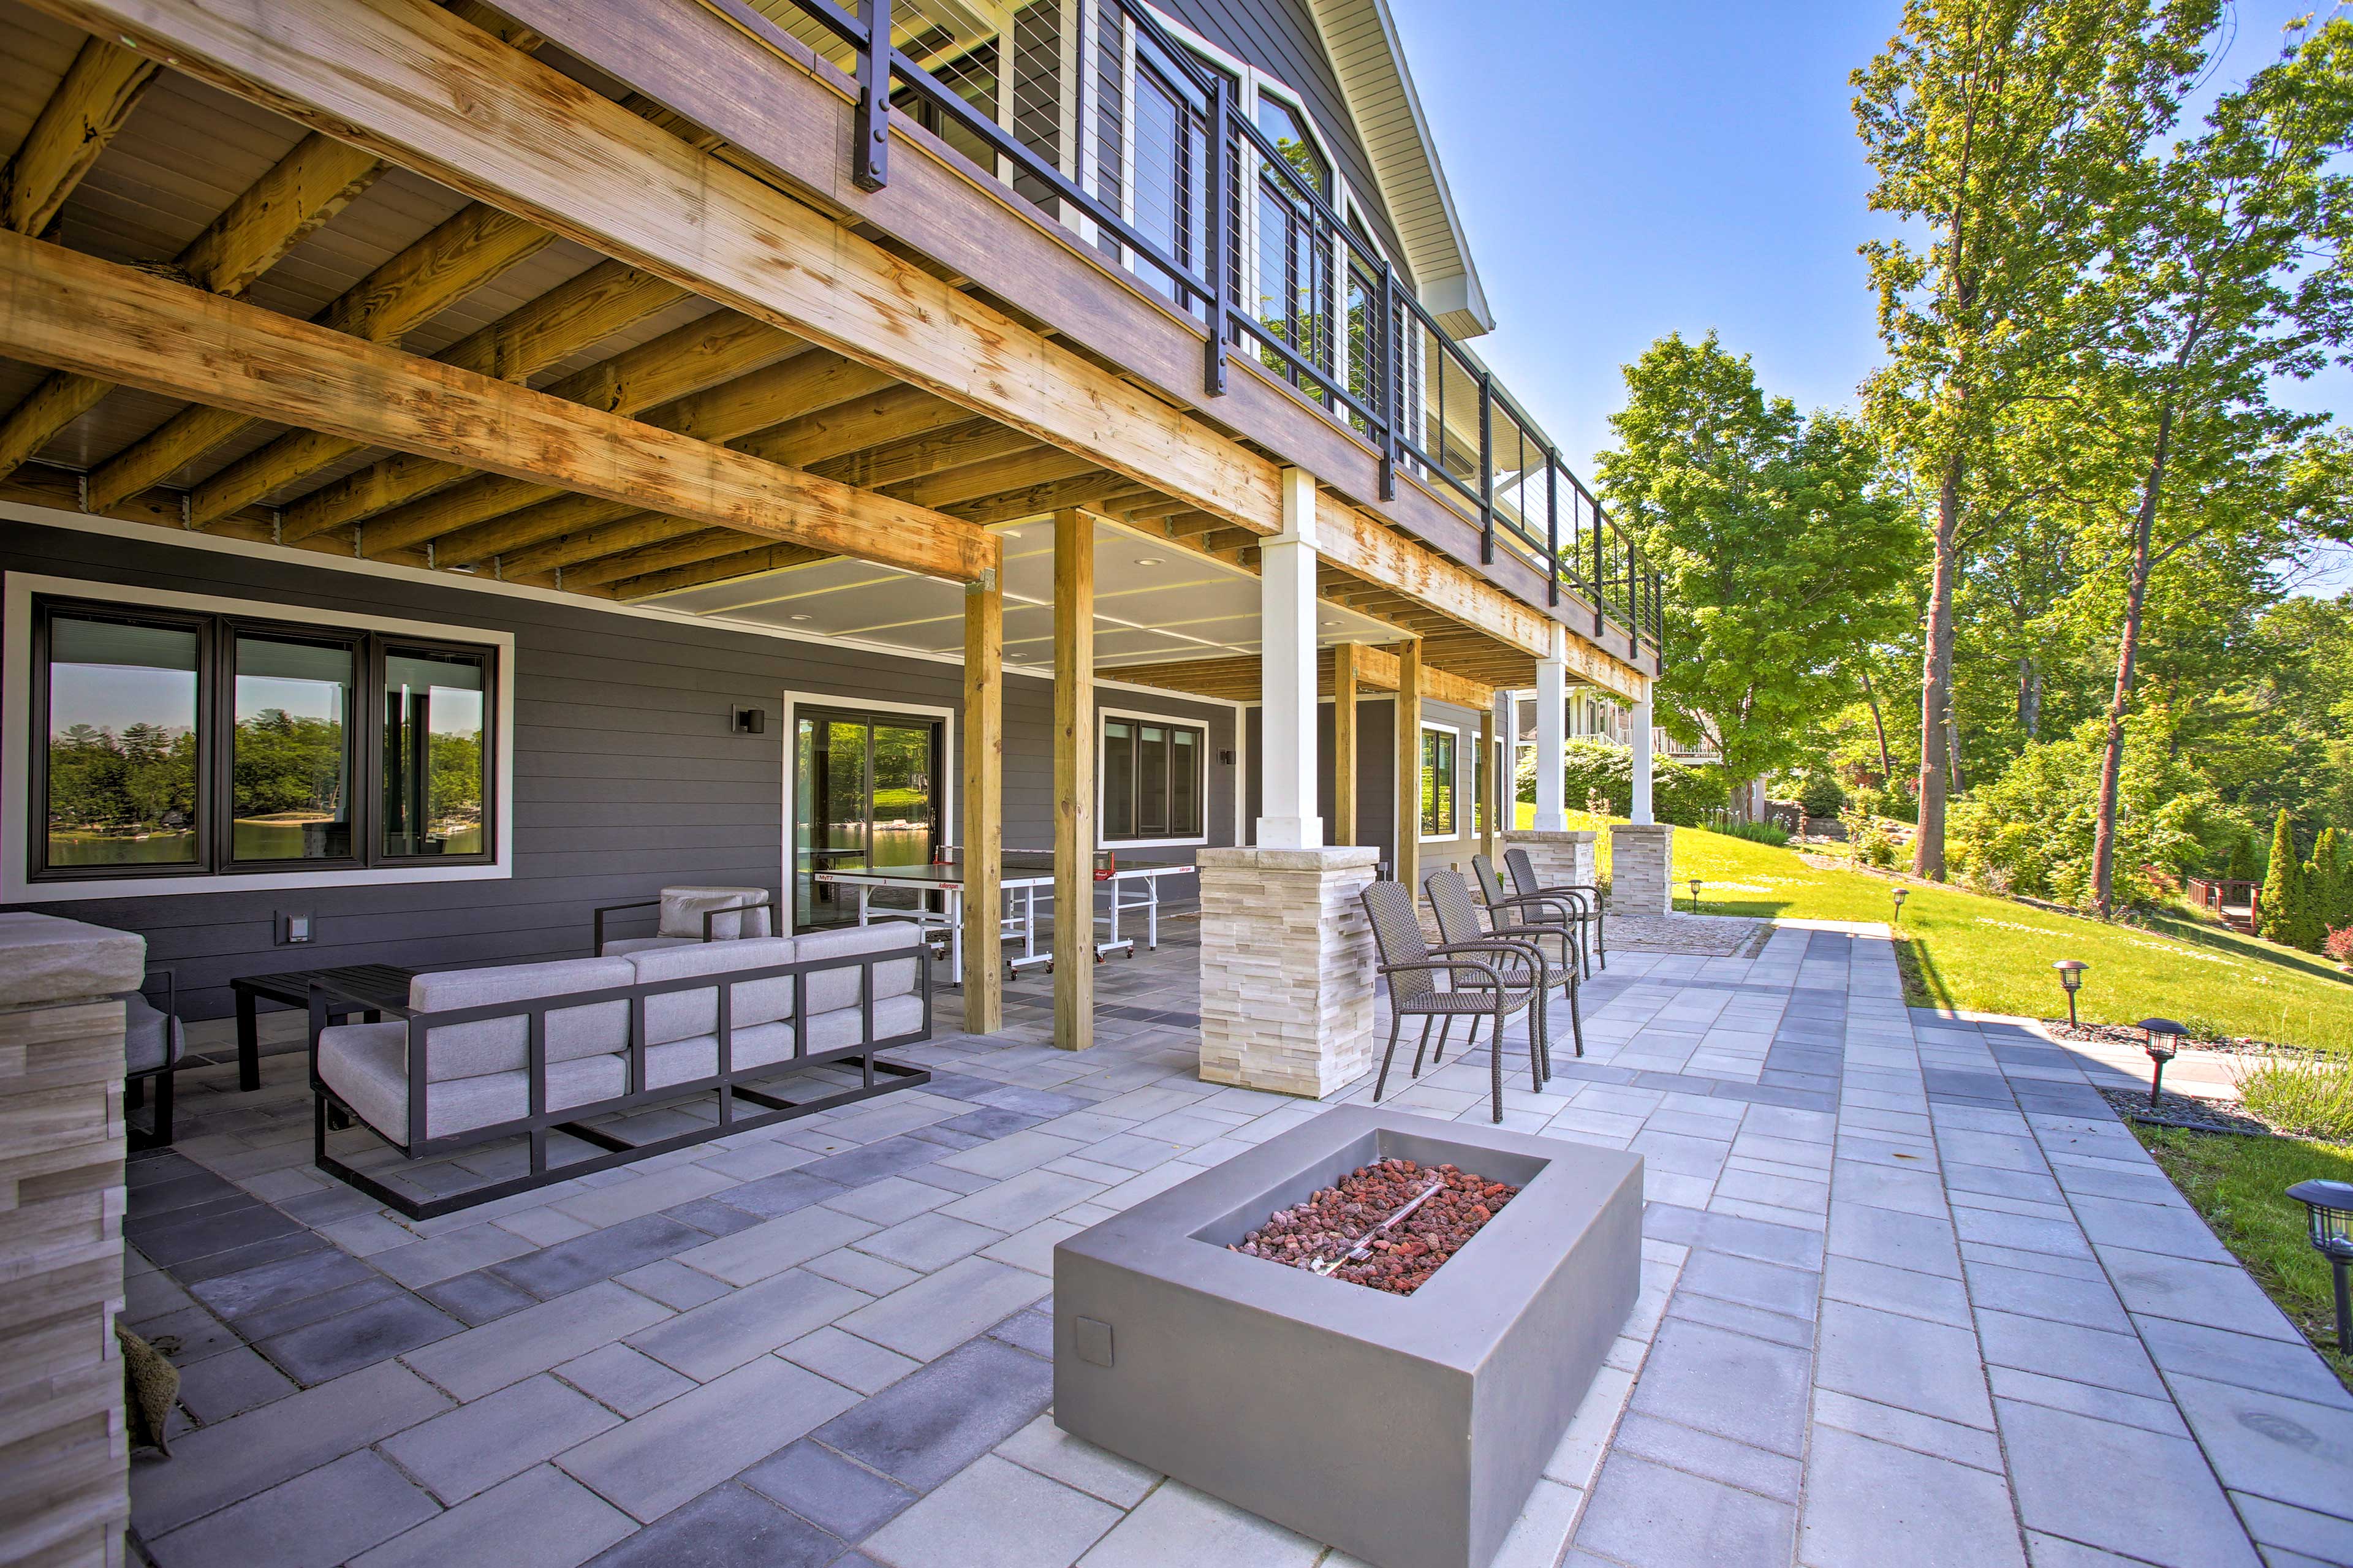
1287	673
1552	701
1641	743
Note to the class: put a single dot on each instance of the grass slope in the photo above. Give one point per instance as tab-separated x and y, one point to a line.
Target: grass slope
1980	953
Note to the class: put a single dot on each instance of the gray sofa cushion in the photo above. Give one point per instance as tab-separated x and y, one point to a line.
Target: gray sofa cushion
839	988
682	1015
368	1066
623	946
503	1045
831	1031
150	1040
682	909
682	1061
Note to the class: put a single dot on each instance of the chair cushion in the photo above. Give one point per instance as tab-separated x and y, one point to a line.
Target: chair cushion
623	946
682	909
503	1045
901	1015
367	1066
683	1060
682	1015
830	989
150	1040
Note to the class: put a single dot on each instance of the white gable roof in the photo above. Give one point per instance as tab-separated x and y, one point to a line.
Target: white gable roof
1362	39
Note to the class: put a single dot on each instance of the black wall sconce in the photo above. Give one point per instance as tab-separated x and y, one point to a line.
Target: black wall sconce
750	721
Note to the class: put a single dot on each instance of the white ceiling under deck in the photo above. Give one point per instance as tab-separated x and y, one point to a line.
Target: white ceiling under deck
1155	603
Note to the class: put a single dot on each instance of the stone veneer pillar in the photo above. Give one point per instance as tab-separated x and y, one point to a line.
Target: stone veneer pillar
64	1484
1286	968
1563	857
1642	859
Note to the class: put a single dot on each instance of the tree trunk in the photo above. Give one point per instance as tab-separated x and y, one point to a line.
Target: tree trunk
1886	763
2112	761
1936	678
2030	696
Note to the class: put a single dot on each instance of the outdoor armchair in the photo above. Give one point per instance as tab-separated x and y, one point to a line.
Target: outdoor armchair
1563	910
1458	924
1479	984
689	915
1525	881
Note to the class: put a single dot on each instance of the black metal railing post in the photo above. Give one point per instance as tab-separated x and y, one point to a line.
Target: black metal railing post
1486	469
1600	566
870	161
1634	569
1552	527
1215	174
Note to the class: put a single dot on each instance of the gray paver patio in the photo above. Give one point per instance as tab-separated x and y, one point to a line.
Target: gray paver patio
1911	1294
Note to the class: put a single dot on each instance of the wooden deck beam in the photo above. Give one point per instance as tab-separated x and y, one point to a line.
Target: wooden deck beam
100	88
91	317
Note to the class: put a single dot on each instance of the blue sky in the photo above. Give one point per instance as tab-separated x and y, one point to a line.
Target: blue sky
1626	171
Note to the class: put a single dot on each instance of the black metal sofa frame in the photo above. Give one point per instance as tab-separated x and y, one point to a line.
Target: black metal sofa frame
877	1077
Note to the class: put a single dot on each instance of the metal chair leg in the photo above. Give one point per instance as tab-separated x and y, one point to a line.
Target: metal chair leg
1438	1052
1495	1060
1380	1084
1575	1018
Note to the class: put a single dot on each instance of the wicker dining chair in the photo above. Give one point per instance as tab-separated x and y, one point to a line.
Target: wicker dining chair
1512	911
1525	881
1478	985
1457	921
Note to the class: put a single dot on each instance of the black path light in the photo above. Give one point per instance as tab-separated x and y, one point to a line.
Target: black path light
1695	888
2161	1039
1902	893
2329	1208
2070	975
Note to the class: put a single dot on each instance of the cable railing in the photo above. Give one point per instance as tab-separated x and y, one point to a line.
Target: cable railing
1144	149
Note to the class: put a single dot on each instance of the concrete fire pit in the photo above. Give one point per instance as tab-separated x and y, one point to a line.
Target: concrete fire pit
1407	1430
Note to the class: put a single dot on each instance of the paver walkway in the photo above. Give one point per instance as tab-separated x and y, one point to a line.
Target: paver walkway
1911	1295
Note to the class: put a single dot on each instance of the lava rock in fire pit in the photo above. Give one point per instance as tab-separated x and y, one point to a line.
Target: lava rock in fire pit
1334	1222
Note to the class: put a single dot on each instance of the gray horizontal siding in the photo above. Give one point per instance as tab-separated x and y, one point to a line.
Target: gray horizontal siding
627	775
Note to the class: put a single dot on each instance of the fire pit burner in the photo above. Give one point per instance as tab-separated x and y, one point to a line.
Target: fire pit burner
1390	1225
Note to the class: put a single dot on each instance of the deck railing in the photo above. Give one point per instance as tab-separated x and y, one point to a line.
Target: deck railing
1150	157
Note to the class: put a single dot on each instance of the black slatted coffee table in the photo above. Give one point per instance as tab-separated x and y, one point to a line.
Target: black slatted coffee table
387	984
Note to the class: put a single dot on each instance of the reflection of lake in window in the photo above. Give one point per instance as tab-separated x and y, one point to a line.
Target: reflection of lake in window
432	753
291	768
121	763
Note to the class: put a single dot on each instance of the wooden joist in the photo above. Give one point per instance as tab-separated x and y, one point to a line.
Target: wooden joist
720	569
708	544
89	106
91	318
569	317
301	191
461	254
591	544
1237	679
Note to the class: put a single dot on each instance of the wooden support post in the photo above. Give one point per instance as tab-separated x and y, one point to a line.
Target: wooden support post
984	805
1343	743
1489	773
1408	766
1074	780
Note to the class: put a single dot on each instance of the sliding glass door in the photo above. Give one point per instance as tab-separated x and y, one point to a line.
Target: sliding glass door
865	795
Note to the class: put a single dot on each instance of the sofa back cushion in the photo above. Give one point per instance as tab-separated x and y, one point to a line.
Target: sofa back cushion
503	1045
830	989
682	909
684	1014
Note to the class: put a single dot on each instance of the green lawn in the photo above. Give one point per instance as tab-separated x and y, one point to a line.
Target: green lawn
2240	1185
1980	953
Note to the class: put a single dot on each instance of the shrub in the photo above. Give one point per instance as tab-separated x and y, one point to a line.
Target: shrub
1759	833
2338	945
2311	1095
1822	794
2036	824
1595	770
1874	845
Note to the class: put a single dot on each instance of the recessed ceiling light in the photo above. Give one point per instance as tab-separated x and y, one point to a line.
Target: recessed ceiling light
800	617
1148	559
1329	625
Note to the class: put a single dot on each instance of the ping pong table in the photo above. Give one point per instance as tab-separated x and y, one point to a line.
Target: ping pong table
1130	888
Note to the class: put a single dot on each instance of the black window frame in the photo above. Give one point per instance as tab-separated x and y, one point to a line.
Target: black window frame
1135	780
1449	741
217	633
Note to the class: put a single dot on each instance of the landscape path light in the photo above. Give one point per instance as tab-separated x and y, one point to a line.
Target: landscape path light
2161	1039
2070	975
1902	893
2328	1211
1695	888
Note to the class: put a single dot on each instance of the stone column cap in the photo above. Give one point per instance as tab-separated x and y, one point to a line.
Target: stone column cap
1327	857
44	959
1548	836
1642	827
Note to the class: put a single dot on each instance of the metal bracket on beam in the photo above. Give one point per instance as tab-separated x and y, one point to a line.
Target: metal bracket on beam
870	165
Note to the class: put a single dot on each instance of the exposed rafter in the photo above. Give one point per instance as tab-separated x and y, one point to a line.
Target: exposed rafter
101	88
85	317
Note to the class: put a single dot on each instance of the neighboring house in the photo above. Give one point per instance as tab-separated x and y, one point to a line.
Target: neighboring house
463	467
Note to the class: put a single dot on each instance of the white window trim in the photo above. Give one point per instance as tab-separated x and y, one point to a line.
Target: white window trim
16	742
1461	830
1187	721
951	772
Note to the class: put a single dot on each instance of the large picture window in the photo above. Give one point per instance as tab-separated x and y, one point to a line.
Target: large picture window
170	744
1440	819
1154	778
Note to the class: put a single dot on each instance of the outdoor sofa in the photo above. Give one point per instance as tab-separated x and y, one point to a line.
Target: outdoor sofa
539	1050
